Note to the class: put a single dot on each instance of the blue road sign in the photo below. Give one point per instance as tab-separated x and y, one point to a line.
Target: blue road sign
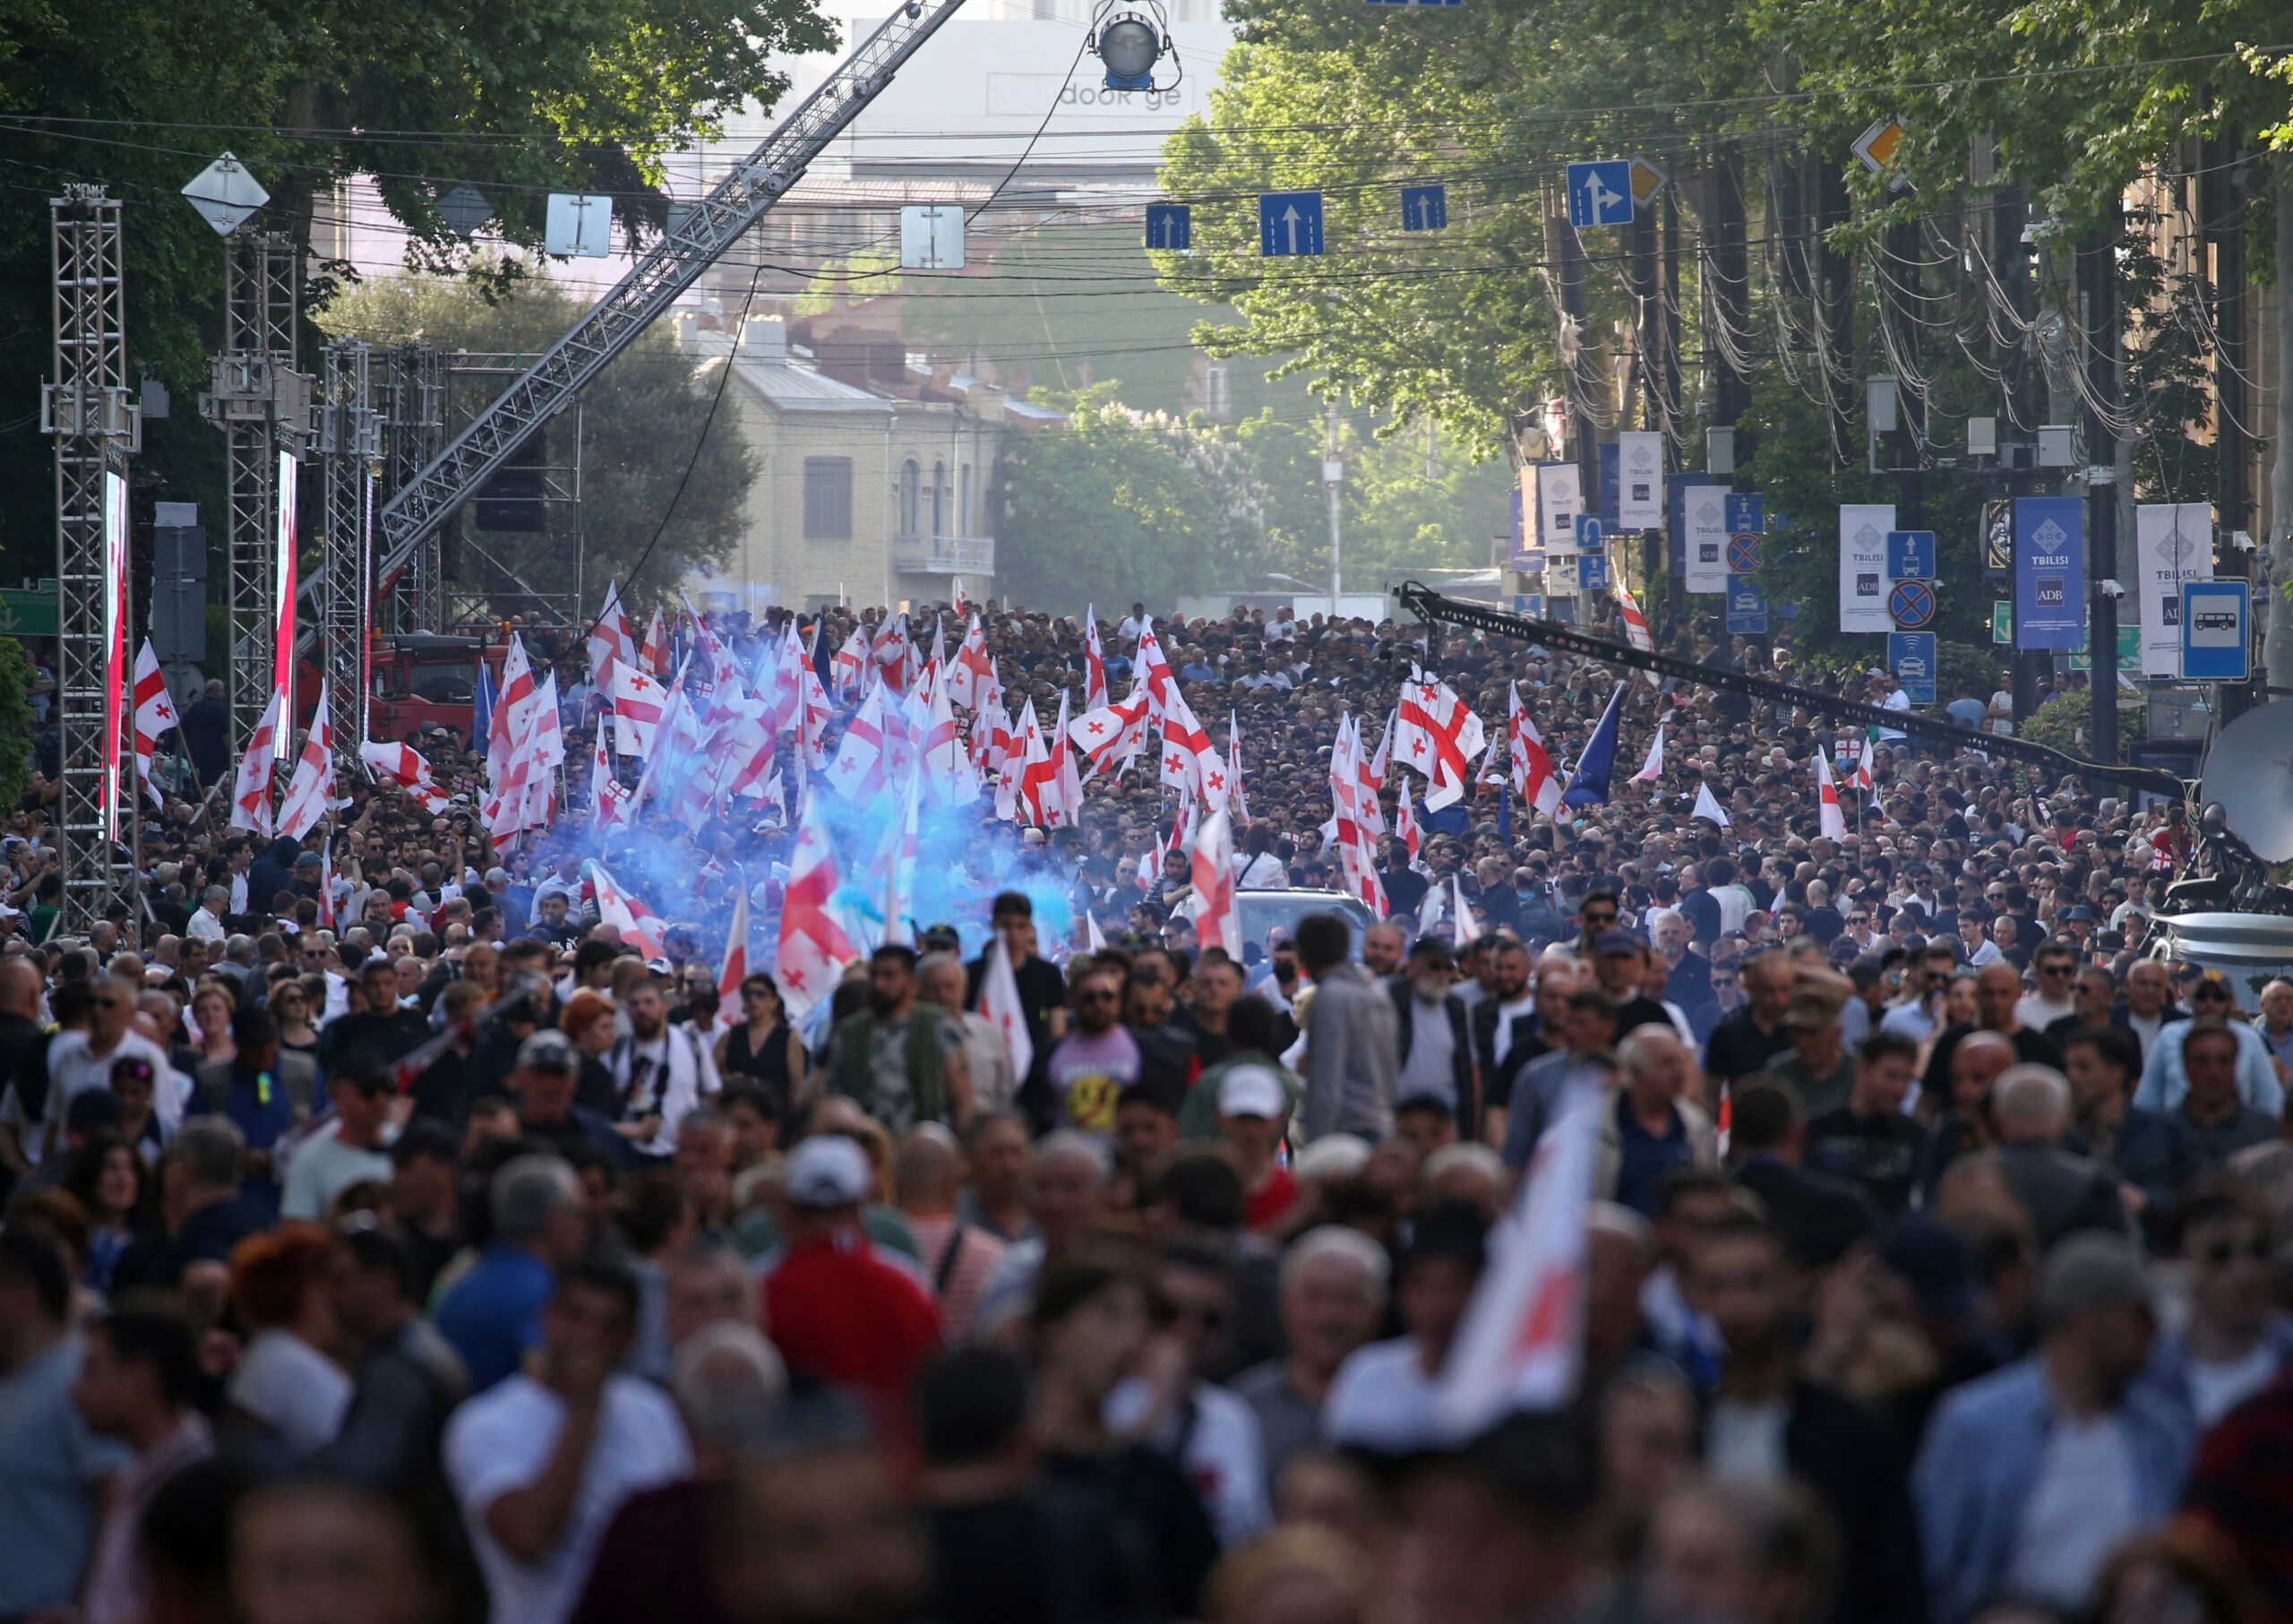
1747	605
1424	208
1290	222
1911	655
1590	538
1743	554
1746	512
1169	225
1910	604
1601	194
2217	631
1911	555
1593	572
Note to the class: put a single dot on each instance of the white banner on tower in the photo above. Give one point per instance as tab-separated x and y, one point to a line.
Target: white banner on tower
2173	542
1863	566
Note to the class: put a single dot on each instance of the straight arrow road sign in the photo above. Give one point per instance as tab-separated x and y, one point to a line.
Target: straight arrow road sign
1169	225
1289	223
1424	208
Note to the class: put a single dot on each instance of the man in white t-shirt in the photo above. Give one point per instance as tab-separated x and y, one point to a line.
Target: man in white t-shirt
207	922
1382	1397
78	1062
347	1150
540	1462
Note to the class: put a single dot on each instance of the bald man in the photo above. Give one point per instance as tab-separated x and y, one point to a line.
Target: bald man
1997	990
2063	1191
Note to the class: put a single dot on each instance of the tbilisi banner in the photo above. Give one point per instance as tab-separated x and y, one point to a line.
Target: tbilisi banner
2051	572
1560	497
1639	480
1863	566
1703	525
2173	542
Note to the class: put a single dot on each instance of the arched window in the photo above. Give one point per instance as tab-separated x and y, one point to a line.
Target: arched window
939	499
911	498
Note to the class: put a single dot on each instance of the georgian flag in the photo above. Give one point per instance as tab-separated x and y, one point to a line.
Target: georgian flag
1653	768
251	790
1439	736
640	926
735	967
312	790
1534	779
638	701
859	770
400	765
1109	735
610	639
657	655
972	672
1217	915
1095	663
813	946
1189	762
999	1001
155	714
1830	821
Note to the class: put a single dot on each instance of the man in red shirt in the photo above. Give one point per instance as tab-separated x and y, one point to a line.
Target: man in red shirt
1252	1110
832	1307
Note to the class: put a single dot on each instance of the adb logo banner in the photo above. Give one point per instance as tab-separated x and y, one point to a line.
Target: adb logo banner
2049	572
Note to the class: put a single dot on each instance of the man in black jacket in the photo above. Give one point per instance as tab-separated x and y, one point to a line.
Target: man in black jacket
1766	1422
1437	1049
207	734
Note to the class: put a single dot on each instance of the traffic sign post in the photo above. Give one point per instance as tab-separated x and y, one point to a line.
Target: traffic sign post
1911	655
1747	605
1289	223
2217	631
1424	208
1743	555
1911	555
1601	194
1911	605
1590	536
1169	225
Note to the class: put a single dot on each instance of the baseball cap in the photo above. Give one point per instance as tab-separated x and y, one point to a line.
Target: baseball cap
828	1170
1250	1090
548	1050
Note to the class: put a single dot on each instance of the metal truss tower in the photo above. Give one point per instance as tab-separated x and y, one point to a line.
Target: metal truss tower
411	397
350	454
97	428
263	405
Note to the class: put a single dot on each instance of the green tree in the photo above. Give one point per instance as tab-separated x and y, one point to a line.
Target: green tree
16	729
640	421
1106	511
518	97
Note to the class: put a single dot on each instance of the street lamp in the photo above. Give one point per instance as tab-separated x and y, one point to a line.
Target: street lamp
1130	42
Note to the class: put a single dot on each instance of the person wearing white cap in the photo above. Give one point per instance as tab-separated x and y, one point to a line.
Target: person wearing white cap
834	1309
1253	1107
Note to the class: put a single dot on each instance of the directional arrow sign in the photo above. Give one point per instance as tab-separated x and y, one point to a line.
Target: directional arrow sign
1289	222
1601	194
1911	555
225	194
1424	208
1590	538
1169	225
1592	572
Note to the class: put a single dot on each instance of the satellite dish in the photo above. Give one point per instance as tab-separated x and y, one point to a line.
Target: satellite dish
2249	772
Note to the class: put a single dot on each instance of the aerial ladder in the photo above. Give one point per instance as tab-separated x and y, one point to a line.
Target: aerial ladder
700	236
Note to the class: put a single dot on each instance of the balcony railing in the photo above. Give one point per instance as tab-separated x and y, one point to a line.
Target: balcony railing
944	555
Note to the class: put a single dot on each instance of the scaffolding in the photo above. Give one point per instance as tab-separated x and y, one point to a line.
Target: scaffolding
411	399
263	405
97	428
350	455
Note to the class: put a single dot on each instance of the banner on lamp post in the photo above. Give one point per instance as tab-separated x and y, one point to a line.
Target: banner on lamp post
1863	566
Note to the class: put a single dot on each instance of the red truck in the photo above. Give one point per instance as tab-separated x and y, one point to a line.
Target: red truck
418	679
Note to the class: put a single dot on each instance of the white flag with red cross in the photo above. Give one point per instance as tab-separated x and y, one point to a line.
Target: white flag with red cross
813	946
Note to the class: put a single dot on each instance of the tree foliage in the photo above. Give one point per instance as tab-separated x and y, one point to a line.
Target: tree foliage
639	422
1127	506
517	97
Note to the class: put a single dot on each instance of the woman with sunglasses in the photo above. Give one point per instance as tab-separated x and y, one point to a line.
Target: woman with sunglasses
2165	1076
763	1051
290	1006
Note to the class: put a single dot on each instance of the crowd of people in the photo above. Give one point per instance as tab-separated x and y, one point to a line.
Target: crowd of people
458	1260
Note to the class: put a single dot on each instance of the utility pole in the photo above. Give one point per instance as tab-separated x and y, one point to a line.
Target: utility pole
1730	276
97	428
2221	211
1576	351
1333	477
1835	319
2098	279
1895	301
263	405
